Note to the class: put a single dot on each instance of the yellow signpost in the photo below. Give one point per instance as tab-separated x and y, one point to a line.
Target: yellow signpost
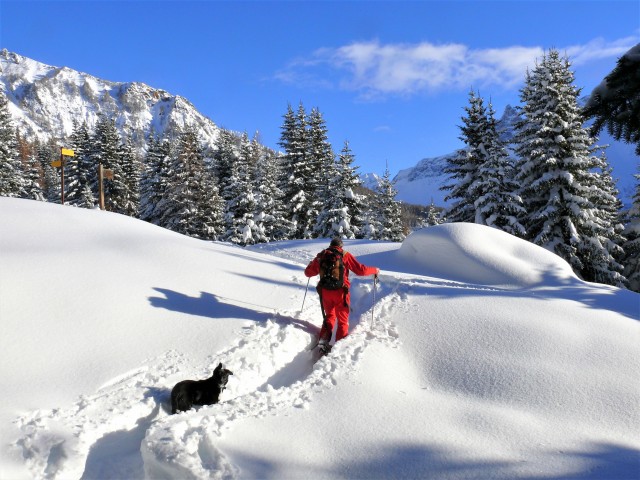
64	152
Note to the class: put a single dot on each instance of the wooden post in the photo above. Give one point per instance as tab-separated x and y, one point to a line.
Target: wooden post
100	186
61	177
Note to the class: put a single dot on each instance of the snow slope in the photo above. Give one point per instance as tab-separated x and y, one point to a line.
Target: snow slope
482	357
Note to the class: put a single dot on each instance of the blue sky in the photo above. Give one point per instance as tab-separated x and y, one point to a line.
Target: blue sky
392	78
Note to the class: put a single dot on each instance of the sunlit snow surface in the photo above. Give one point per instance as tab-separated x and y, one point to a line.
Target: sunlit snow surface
483	356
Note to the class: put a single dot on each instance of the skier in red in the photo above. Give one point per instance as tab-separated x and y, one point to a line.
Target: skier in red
336	302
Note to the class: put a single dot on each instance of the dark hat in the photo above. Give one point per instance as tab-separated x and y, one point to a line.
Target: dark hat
336	242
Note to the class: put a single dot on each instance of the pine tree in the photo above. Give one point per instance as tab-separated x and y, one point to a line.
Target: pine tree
79	174
131	171
269	209
558	174
615	103
46	153
388	211
241	205
463	167
11	174
192	205
631	247
296	183
33	177
341	204
155	179
224	160
321	181
496	203
353	201
106	150
433	217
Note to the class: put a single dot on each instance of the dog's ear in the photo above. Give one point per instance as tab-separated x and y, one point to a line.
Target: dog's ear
219	367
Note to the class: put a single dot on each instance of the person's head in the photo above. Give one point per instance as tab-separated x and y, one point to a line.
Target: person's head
336	242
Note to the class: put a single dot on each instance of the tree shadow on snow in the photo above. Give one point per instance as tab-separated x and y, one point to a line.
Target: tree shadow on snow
413	461
206	305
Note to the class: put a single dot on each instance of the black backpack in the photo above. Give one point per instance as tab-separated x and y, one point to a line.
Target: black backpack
331	269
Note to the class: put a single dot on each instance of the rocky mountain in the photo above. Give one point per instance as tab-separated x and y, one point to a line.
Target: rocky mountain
44	102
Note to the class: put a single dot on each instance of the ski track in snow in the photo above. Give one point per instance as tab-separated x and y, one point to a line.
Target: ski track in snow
130	413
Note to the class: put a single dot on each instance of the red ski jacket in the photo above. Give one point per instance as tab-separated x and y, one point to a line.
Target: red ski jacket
350	264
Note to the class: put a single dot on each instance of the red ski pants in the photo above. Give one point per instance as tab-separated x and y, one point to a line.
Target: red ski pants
336	306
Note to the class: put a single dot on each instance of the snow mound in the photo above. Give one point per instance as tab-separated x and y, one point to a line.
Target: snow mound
471	253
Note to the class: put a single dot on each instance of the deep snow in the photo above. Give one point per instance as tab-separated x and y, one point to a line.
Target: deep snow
483	357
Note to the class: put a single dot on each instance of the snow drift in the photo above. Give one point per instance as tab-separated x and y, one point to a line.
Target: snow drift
483	356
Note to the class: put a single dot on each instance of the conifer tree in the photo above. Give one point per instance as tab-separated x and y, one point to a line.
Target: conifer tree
387	208
631	247
497	203
129	200
296	182
11	173
464	165
433	217
155	179
79	174
241	205
269	209
193	205
51	187
341	205
106	150
321	161
615	103
33	177
224	160
353	201
558	174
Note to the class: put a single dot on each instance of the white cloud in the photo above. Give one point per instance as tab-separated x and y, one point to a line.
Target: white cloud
374	69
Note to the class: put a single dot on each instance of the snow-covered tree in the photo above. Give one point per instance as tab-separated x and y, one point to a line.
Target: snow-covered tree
11	173
106	150
79	171
269	217
155	179
32	177
129	200
433	217
46	153
560	175
497	203
631	247
297	184
341	205
463	167
224	160
388	225
192	205
615	103
350	181
241	205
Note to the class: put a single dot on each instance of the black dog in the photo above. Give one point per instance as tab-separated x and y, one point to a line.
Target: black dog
199	392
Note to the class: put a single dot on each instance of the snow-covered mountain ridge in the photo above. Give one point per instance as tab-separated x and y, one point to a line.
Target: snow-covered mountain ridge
44	101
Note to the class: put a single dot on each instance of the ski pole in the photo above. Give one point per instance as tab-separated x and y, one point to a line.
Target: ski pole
375	281
305	295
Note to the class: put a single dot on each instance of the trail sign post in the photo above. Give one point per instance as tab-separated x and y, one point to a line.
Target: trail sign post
103	173
64	152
